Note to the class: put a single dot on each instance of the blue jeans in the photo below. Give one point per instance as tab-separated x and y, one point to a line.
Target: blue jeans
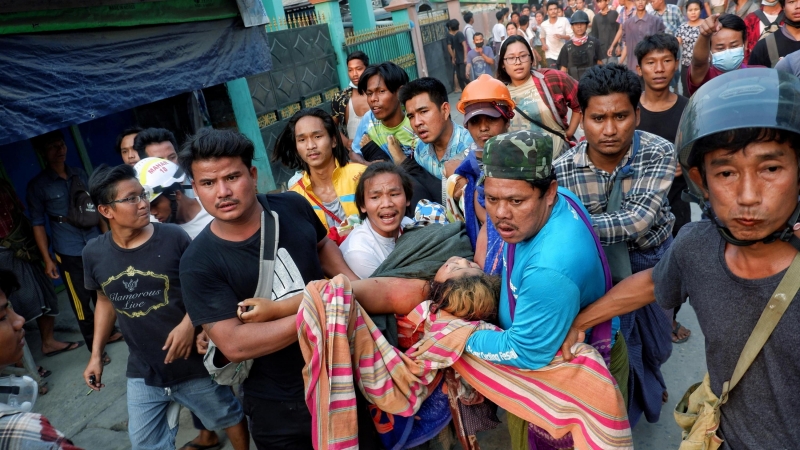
148	429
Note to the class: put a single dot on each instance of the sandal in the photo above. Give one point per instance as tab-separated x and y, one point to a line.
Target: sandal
44	373
106	359
191	444
70	346
675	339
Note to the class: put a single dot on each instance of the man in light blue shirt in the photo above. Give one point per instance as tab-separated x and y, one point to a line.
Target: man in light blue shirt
552	264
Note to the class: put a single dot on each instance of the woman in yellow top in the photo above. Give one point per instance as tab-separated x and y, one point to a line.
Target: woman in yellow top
310	143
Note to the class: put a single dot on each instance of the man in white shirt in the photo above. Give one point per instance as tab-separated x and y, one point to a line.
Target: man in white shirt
555	31
382	195
499	30
469	29
165	181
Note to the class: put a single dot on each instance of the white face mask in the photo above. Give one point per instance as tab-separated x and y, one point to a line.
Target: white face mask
766	3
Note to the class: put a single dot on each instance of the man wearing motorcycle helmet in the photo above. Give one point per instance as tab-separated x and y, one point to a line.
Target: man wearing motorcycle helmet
739	142
165	182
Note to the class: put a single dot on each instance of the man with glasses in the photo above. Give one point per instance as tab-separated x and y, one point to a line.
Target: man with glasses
135	271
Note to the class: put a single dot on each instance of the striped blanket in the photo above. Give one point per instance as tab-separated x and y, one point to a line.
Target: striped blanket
336	336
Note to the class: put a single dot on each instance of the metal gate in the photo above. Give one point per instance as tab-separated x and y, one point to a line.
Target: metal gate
303	75
433	27
386	43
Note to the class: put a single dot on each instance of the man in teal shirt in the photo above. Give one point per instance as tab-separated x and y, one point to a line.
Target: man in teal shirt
551	254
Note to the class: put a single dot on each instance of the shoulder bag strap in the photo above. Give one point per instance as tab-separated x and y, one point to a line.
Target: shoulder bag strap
268	251
541	125
318	203
549	98
762	17
777	305
772	49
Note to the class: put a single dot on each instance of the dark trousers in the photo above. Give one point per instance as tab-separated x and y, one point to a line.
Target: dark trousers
685	72
277	425
461	74
80	299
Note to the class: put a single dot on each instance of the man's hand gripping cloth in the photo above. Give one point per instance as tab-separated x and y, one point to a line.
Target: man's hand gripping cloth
336	336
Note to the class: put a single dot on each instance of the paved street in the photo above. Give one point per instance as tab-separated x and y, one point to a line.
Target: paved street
99	421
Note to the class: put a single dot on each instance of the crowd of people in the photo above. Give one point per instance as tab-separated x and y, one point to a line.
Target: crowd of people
420	273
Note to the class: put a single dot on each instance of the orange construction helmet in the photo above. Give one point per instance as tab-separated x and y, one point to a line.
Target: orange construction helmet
485	90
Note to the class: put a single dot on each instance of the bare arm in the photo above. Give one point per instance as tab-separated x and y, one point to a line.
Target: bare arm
702	49
616	40
564	69
390	295
40	235
629	295
241	341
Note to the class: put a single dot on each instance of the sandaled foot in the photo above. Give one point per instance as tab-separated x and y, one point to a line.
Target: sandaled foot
69	347
200	444
664	397
116	337
43	389
106	359
680	334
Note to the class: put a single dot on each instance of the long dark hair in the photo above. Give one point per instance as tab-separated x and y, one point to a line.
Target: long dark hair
286	149
501	69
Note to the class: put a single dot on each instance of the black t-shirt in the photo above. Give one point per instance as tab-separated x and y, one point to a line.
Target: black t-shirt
144	286
455	40
663	123
604	28
760	55
218	274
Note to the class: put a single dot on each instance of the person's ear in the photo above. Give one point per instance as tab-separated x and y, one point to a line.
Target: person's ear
106	211
446	110
697	179
254	175
552	192
638	116
639	70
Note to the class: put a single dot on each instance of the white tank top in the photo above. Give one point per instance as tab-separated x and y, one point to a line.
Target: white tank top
352	120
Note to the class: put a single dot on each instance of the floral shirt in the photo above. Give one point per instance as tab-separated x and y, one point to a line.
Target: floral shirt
688	35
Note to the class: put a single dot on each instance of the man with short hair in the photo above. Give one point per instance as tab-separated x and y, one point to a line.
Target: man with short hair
636	27
49	201
457	46
480	60
622	177
555	31
469	29
719	49
220	269
156	143
125	145
745	172
439	139
134	270
21	430
349	106
604	29
542	286
499	30
774	46
673	18
384	132
660	113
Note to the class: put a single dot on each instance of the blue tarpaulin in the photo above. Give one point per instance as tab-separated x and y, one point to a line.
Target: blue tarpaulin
53	80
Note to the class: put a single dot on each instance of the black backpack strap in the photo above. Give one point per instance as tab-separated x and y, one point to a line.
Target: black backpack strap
762	17
541	125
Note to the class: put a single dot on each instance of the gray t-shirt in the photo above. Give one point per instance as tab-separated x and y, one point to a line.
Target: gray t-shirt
763	411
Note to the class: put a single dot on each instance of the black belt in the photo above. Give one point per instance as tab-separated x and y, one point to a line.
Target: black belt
58	219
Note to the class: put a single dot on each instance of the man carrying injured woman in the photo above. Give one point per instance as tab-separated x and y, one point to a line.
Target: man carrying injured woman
542	289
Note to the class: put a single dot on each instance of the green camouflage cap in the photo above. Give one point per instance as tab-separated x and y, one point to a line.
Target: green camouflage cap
521	155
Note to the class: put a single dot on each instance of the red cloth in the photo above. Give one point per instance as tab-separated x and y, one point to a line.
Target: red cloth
564	90
712	73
